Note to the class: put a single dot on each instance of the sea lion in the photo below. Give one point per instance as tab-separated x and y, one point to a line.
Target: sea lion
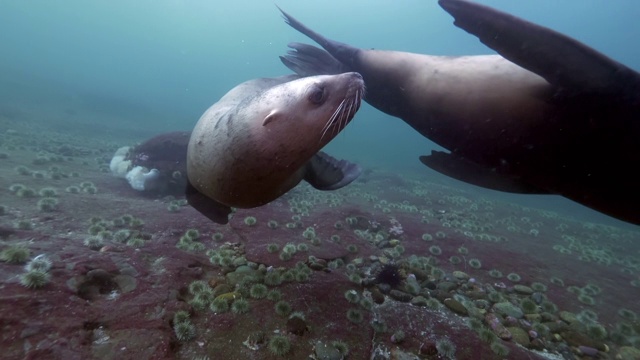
264	136
157	165
548	115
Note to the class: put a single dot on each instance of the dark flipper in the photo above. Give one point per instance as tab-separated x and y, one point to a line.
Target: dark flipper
561	60
212	209
325	172
308	60
471	173
346	54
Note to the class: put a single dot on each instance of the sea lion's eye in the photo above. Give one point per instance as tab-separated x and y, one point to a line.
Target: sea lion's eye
317	95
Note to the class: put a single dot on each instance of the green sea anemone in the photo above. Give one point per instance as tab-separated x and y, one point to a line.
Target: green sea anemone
487	335
499	349
274	295
355	316
240	306
272	224
35	279
192	234
352	296
184	331
279	345
250	221
15	254
282	308
435	250
352	248
427	237
528	306
258	291
513	277
181	316
455	260
586	299
39	263
219	305
475	263
446	348
198	286
342	348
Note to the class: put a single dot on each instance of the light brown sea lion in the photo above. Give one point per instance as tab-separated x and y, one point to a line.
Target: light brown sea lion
264	136
549	115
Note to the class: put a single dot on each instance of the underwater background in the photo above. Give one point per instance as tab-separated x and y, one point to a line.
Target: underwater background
97	75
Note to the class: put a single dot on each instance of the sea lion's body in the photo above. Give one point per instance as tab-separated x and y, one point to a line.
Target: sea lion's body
264	136
549	115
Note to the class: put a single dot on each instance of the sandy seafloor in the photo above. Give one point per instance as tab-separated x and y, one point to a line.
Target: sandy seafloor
118	301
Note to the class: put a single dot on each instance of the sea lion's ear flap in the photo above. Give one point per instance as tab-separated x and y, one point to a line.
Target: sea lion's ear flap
273	115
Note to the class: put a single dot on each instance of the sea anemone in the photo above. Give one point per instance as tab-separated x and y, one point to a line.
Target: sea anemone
446	348
258	291
250	221
240	306
274	295
499	349
475	263
40	263
15	254
184	331
181	316
282	308
279	345
197	287
352	296
435	250
513	277
355	316
35	279
219	305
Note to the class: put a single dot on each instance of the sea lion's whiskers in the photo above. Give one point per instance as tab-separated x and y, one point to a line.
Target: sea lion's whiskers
332	119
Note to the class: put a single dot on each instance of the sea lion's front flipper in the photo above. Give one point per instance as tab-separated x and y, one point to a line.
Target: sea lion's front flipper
561	60
308	60
212	209
471	173
325	172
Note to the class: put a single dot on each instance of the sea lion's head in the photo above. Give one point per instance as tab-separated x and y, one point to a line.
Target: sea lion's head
309	112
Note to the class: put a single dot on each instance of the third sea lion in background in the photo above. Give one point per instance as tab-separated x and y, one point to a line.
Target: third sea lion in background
548	115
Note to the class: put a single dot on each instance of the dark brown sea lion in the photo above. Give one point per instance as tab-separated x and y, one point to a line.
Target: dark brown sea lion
157	165
549	115
264	136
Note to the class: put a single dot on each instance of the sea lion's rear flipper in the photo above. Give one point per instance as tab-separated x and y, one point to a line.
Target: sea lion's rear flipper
464	170
325	172
212	209
308	60
344	53
561	60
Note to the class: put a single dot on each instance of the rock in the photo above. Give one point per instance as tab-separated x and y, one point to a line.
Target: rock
507	309
577	339
419	301
497	327
297	326
222	289
533	318
447	286
400	295
522	289
377	296
126	283
326	352
556	326
519	336
568	317
460	275
456	306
